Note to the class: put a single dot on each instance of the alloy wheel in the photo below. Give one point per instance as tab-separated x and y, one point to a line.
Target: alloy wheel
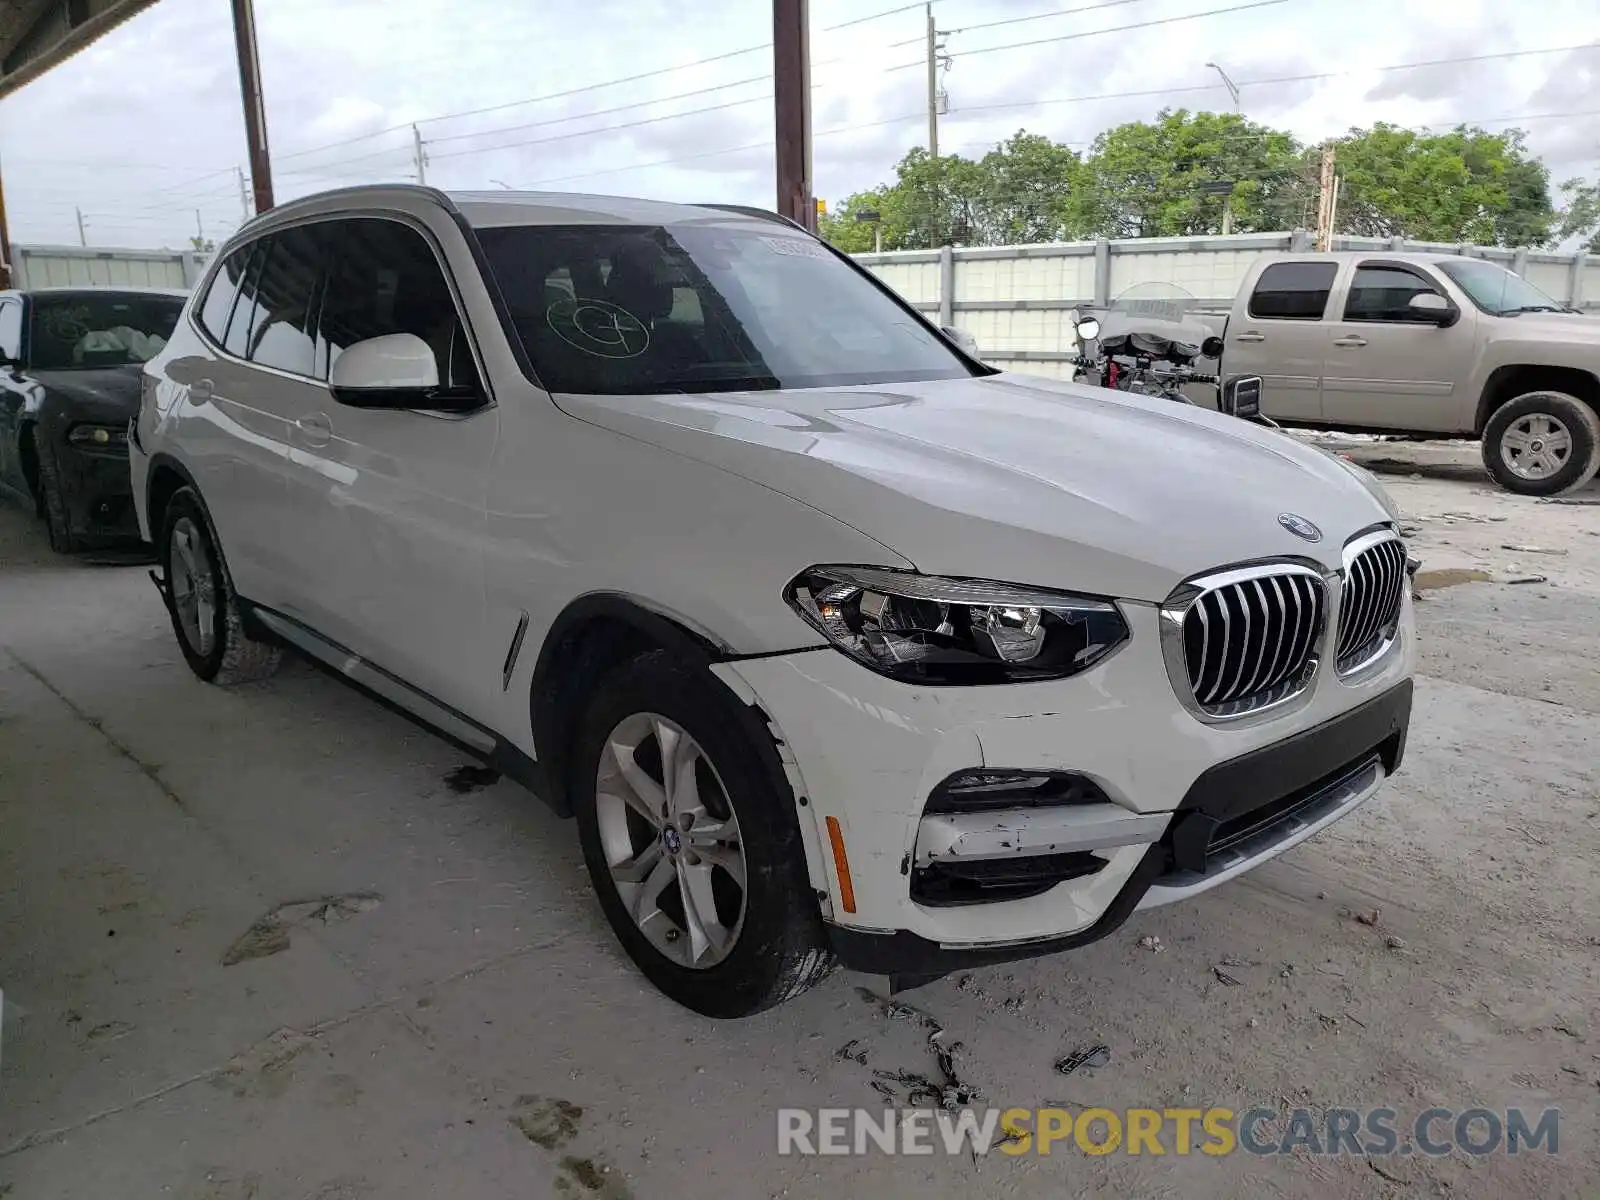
671	840
193	589
1536	446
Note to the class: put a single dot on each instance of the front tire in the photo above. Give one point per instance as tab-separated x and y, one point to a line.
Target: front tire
1542	443
53	505
200	598
692	843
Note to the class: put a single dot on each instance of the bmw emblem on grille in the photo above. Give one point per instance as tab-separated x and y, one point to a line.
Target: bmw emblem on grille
1300	527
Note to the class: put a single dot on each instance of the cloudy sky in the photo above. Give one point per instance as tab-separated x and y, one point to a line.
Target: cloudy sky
143	129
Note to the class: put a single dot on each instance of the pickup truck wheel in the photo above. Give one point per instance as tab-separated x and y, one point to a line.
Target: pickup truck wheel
692	844
1542	443
200	597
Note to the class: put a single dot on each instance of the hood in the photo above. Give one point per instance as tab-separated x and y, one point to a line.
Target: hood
109	394
1019	479
1581	328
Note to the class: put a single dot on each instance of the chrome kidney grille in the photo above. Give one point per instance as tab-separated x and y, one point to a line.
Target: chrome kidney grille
1244	640
1370	600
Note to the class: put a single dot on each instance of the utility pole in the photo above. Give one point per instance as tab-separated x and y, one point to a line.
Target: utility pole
5	244
83	238
1233	91
1325	211
791	89
255	107
933	86
244	194
422	159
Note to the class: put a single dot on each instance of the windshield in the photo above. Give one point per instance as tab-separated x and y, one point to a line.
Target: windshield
635	310
1496	290
86	329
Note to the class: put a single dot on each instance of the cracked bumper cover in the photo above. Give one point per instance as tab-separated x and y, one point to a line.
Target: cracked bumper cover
868	752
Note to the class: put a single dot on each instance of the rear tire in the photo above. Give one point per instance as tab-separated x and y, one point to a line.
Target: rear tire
1542	444
711	945
53	506
201	600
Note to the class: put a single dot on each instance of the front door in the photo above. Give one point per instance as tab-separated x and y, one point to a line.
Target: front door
1282	337
395	572
1386	368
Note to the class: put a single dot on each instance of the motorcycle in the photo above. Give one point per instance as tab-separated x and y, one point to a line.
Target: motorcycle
1147	344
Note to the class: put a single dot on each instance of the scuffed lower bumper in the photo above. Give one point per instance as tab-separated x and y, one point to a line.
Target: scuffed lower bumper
1306	796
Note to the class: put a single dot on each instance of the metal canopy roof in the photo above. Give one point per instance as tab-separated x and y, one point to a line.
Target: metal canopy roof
36	35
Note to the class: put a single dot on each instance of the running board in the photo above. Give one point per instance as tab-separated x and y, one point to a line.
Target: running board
396	694
379	682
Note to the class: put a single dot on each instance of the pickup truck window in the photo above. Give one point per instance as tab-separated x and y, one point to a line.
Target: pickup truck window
1293	291
1381	293
1496	290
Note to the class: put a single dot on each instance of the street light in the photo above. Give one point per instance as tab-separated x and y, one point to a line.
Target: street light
1233	88
503	184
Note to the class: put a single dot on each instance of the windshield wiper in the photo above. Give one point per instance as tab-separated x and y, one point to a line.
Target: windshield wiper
1527	308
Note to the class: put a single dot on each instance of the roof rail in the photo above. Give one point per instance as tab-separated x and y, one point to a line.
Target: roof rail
750	210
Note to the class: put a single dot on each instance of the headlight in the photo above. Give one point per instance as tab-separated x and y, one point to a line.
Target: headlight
101	437
927	629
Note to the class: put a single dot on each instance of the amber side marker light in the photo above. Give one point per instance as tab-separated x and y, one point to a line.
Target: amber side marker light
841	866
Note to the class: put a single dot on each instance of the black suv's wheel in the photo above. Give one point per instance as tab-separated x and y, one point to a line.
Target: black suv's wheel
205	612
53	505
691	840
1542	443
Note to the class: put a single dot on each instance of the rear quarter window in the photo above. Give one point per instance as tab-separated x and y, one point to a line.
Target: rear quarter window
1293	291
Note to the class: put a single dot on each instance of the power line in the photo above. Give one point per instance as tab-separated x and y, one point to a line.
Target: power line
888	12
1280	79
1065	12
1089	33
605	112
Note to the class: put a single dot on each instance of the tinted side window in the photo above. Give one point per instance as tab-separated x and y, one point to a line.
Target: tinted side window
285	289
383	278
218	304
1382	293
247	313
1293	291
11	330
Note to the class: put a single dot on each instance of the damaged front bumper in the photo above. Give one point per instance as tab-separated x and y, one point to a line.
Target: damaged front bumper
1144	804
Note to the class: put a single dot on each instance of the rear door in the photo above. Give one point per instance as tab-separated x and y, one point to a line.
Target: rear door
1281	335
233	433
1387	369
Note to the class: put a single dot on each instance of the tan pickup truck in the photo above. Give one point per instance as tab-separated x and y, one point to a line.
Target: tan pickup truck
1428	344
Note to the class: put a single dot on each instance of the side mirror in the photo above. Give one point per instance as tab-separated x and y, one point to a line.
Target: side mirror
1088	329
963	339
1430	306
395	371
1211	347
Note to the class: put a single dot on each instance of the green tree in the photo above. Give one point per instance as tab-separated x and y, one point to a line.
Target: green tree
1149	179
1580	214
1463	186
1017	192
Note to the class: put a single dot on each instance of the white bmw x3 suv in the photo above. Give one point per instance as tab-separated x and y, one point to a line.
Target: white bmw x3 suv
838	644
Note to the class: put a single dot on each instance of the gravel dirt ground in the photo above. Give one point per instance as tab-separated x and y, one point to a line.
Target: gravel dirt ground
421	997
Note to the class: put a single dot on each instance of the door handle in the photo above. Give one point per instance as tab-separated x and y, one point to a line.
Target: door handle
1350	340
315	430
201	390
1251	335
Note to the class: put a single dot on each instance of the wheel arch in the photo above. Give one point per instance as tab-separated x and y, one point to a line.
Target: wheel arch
163	479
1506	383
593	634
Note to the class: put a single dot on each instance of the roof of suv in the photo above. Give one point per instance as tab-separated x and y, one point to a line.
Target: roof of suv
1419	257
486	209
